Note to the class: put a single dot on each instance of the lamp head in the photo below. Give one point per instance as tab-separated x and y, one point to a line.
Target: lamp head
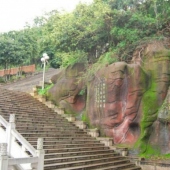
42	59
45	56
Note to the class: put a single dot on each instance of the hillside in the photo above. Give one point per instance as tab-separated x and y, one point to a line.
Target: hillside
104	31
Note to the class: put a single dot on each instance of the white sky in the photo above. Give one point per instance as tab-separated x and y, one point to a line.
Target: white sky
15	13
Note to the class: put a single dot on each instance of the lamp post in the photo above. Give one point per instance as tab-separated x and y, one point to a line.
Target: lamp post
44	60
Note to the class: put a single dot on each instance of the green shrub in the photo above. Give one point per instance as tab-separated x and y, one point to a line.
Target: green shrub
44	91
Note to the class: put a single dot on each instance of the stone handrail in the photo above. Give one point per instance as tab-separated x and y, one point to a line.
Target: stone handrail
8	148
5	162
16	161
20	138
3	122
24	142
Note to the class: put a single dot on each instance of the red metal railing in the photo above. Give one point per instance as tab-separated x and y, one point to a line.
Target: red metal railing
14	71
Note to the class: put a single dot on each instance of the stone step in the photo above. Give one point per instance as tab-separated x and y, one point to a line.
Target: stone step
31	109
76	145
38	112
91	162
46	117
39	117
82	153
65	146
61	138
105	166
41	128
21	128
59	150
84	157
86	141
57	124
55	135
133	168
43	123
23	124
31	119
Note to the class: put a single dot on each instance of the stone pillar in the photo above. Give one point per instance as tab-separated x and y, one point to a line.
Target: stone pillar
40	153
34	89
61	111
49	104
93	132
80	124
125	152
106	141
3	156
12	118
41	98
70	118
10	126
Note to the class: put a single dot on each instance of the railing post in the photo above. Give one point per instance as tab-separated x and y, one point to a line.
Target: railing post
40	154
3	156
11	126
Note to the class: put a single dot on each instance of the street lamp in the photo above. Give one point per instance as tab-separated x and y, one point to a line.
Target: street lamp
44	60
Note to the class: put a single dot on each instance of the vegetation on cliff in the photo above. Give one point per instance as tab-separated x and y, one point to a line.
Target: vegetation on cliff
106	30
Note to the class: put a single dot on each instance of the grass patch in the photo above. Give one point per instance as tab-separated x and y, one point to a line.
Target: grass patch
45	90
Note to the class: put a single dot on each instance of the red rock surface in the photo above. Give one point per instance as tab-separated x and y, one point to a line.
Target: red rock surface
114	100
68	85
122	99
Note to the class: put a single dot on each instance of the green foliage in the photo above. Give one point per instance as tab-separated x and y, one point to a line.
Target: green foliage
17	48
150	152
72	57
56	62
82	92
86	119
166	156
149	115
2	80
45	90
108	58
154	153
106	30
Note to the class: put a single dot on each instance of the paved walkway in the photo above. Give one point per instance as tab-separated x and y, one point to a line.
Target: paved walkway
26	84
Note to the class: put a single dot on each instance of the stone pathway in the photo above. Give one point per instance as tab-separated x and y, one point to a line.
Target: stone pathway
26	84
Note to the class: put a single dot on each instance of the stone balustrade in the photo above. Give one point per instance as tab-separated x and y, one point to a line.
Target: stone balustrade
12	149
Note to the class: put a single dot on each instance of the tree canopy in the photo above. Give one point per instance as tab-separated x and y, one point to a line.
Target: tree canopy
105	31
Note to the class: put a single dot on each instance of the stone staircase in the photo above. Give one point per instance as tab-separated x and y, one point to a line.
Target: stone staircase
66	146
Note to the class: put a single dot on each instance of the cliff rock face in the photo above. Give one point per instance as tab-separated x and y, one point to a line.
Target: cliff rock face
66	91
160	136
122	99
114	97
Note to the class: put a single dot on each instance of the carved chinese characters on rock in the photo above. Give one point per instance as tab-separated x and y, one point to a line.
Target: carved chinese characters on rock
117	99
